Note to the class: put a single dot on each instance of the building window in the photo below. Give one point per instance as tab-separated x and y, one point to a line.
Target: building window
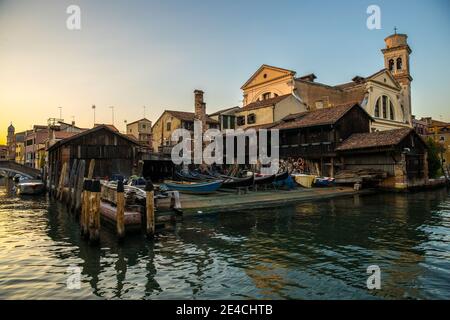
391	65
399	64
377	109
391	110
240	120
189	125
144	126
266	96
168	126
384	108
251	118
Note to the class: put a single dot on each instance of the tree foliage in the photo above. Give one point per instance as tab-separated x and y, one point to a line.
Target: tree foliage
434	157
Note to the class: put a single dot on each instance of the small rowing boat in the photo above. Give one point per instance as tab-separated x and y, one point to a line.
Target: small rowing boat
324	182
305	180
193	187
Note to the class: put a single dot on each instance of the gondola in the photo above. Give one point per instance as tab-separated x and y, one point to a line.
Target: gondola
238	182
264	180
281	176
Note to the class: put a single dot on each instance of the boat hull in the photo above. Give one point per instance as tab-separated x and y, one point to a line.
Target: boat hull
31	188
194	188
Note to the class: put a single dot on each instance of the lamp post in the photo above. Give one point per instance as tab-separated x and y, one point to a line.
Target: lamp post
93	108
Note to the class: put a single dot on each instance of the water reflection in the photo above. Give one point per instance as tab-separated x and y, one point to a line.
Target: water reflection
311	250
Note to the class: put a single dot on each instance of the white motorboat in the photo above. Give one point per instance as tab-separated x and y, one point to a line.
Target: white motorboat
30	187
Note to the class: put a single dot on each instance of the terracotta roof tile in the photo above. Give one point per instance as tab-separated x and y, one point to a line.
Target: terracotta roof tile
188	116
265	103
64	134
315	118
374	139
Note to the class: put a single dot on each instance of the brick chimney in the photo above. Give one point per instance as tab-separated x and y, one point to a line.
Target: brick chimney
200	108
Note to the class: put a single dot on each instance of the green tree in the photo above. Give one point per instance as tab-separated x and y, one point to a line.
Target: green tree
434	157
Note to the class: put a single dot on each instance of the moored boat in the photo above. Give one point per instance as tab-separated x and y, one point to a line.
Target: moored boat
324	182
30	187
305	180
261	180
233	183
281	176
193	187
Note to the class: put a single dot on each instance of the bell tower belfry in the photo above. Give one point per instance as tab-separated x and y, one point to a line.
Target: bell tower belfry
396	60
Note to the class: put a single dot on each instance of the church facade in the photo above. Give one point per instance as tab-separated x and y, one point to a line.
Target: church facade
385	95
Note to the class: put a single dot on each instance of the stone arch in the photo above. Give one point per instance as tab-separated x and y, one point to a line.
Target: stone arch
259	94
386	111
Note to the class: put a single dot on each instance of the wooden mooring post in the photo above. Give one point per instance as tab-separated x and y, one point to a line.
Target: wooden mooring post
76	204
62	179
150	209
120	218
94	215
85	208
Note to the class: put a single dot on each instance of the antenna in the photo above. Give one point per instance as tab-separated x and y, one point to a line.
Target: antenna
112	111
93	108
125	121
60	113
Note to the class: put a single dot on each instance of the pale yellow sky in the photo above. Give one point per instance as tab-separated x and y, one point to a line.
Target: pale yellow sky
155	53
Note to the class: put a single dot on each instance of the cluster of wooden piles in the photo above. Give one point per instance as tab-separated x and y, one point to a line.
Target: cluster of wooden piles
94	202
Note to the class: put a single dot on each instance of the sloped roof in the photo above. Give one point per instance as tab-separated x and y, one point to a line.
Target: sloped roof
224	111
143	119
317	117
95	129
188	116
64	134
110	126
265	103
375	139
287	71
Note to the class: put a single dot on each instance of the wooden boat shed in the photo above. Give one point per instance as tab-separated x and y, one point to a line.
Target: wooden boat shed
314	136
114	153
400	153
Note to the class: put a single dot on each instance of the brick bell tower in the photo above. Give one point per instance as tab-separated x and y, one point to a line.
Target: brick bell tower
396	60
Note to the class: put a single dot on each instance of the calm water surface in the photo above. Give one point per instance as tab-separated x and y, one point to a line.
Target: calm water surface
314	250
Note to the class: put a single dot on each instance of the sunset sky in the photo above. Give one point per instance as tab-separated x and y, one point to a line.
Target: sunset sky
131	54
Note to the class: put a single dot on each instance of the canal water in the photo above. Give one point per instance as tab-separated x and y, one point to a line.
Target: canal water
317	250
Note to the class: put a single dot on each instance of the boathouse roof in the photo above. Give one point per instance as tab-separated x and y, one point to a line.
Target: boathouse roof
320	117
90	131
265	103
377	139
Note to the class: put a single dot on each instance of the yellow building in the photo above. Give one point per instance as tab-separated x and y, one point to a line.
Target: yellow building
385	95
171	120
141	130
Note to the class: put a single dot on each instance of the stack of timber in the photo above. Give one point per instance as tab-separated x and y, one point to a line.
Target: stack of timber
360	176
